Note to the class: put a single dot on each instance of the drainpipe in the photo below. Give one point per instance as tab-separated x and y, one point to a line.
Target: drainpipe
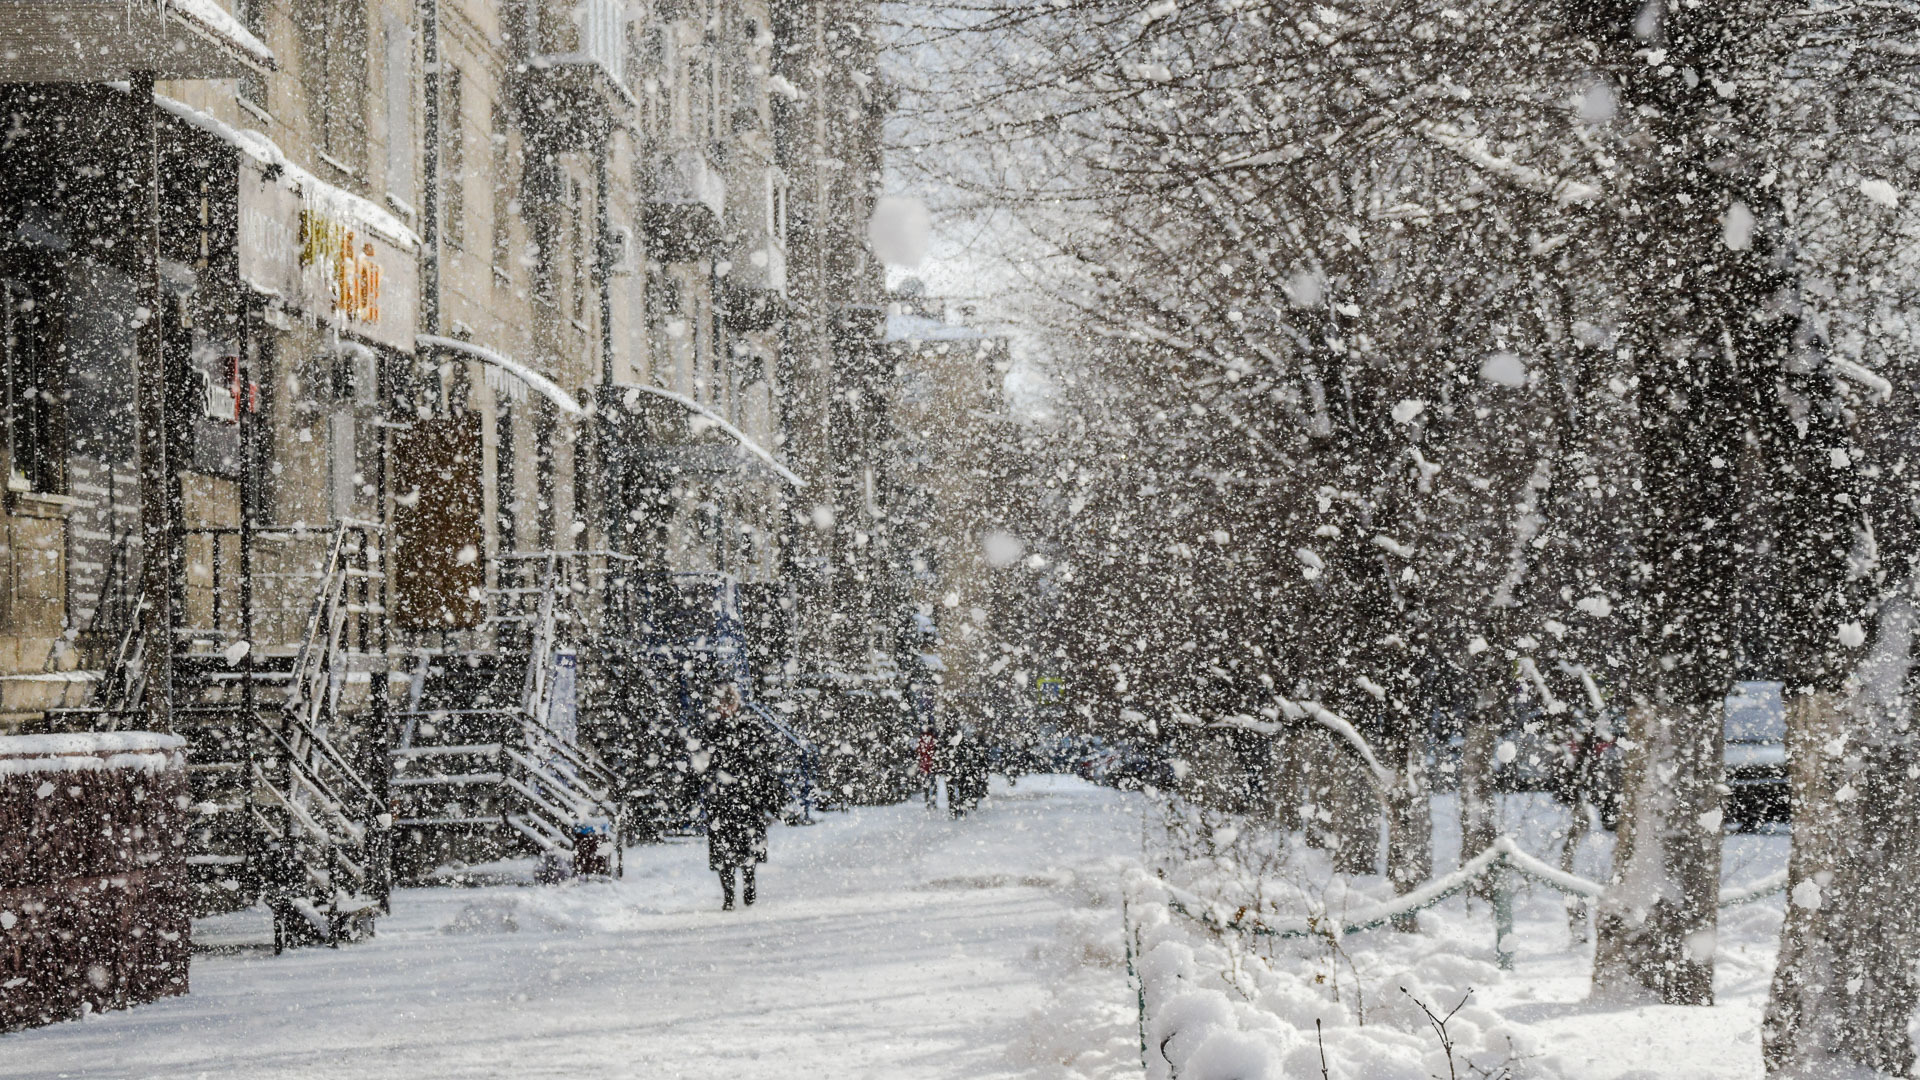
596	443
152	423
430	168
603	250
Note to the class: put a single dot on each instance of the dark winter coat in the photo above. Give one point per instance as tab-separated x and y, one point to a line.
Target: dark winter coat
741	791
968	769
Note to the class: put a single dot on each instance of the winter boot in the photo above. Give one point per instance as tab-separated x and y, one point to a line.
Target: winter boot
726	889
746	884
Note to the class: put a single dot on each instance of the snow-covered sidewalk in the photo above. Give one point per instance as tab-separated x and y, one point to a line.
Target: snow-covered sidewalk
888	943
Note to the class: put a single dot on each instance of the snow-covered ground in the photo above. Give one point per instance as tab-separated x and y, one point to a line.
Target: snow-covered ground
1534	1021
893	943
888	943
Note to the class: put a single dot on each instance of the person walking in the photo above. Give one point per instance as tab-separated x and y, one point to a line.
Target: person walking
741	791
925	755
967	777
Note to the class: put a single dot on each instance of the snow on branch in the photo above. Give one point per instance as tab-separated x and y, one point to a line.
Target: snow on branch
1870	379
1382	777
1551	876
1473	149
1532	671
1504	851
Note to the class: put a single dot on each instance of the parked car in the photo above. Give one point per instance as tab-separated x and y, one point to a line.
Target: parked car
1756	756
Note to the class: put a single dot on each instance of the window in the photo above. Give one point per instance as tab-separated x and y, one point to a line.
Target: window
336	70
603	35
253	85
578	249
502	144
453	158
663	306
506	496
35	434
716	87
399	92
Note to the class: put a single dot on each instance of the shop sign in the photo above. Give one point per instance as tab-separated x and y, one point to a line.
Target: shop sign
346	264
305	246
269	239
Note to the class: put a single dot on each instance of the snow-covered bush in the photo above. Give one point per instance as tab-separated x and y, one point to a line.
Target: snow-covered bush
1225	1001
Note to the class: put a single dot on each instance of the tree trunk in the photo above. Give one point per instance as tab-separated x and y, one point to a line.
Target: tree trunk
1657	925
1843	988
1345	795
1410	826
1479	820
1289	780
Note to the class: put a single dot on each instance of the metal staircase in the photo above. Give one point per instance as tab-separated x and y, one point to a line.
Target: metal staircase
489	762
287	813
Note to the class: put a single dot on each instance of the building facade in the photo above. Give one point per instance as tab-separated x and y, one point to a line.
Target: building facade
383	372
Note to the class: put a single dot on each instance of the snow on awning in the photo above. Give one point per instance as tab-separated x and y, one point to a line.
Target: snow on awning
266	153
534	381
317	248
633	390
60	41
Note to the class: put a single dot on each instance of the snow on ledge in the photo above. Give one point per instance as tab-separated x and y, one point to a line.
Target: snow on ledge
220	23
147	751
334	201
103	742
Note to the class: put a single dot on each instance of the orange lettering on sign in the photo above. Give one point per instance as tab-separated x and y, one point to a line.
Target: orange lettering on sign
354	273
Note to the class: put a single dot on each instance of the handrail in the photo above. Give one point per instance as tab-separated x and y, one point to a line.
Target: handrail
804	747
296	529
538	737
305	743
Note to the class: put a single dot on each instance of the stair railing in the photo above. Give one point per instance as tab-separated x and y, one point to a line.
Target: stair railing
559	770
320	785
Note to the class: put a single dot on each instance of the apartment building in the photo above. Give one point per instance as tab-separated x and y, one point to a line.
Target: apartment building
368	391
964	481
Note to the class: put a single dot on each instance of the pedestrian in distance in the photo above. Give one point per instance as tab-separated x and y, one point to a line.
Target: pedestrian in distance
741	791
925	754
967	762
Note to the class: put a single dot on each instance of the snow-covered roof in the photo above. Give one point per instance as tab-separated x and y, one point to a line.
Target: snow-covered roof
78	41
220	23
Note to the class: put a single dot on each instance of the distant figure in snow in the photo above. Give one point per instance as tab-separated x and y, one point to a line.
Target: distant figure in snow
741	792
967	766
926	755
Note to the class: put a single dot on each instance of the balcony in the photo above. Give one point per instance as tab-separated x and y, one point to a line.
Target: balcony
686	204
572	87
101	40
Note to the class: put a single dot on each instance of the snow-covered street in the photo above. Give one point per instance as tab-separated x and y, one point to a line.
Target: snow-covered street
888	942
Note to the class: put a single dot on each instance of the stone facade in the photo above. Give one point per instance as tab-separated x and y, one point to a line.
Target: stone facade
498	276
